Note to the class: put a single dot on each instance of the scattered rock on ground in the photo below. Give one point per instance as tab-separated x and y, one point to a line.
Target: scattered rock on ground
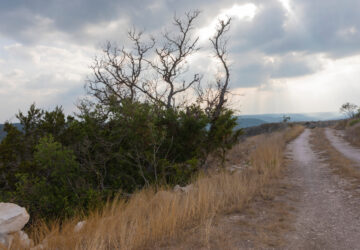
185	189
79	226
24	239
234	168
12	218
177	188
6	240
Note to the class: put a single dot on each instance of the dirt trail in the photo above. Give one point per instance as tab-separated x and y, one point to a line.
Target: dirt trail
342	146
327	214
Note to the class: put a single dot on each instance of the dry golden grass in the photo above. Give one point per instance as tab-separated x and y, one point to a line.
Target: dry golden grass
262	224
150	219
352	134
337	161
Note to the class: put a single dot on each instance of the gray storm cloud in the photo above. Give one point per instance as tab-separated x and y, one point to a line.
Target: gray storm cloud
279	42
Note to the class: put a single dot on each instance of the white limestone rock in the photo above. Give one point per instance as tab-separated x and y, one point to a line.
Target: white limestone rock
185	189
24	239
12	218
188	188
38	247
79	226
6	240
177	188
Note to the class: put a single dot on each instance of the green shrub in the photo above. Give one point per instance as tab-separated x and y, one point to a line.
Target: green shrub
56	166
222	135
353	122
55	186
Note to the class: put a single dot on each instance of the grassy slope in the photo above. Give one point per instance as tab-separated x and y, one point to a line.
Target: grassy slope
151	218
352	132
337	161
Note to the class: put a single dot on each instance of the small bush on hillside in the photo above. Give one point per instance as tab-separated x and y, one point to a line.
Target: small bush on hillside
54	185
353	122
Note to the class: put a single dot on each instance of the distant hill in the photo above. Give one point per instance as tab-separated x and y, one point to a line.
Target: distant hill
249	122
246	121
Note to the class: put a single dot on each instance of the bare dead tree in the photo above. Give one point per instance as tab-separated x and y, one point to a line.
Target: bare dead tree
222	83
172	56
350	110
117	75
214	97
120	73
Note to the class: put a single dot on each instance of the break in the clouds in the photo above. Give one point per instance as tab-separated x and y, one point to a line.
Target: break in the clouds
286	55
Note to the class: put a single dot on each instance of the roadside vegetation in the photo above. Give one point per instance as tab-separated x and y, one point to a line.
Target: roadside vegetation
350	125
352	132
336	160
153	217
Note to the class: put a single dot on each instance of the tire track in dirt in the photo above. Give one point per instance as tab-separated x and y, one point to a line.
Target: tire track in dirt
327	215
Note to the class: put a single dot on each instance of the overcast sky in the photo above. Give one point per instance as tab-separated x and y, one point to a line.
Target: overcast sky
287	55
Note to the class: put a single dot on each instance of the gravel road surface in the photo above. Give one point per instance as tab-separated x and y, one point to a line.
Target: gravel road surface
327	213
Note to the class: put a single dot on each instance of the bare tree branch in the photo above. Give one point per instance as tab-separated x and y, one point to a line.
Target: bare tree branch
117	75
172	57
222	83
120	73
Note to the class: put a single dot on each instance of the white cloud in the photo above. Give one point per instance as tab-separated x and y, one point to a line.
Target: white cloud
47	75
286	55
244	12
326	90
